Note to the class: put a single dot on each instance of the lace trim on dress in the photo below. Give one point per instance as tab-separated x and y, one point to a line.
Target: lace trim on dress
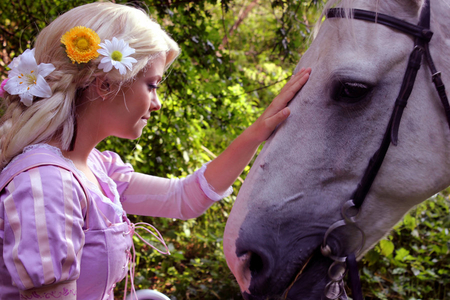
50	295
46	146
208	189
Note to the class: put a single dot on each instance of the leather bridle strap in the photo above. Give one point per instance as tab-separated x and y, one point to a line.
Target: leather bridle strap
379	18
438	83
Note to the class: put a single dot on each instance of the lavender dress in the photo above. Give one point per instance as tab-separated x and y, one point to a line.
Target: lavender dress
57	229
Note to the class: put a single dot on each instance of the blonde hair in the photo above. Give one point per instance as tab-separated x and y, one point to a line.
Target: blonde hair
54	117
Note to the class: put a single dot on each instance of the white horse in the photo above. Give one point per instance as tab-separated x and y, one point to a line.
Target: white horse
310	167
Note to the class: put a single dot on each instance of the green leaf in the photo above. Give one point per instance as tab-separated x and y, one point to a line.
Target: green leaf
401	253
387	247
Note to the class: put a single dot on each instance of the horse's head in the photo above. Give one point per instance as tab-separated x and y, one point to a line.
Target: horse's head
311	166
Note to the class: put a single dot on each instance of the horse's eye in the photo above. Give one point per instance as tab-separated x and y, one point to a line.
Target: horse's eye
350	92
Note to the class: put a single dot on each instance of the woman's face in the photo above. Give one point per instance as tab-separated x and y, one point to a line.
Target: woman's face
128	112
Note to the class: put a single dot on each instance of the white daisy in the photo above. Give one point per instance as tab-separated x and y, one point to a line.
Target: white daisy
116	55
26	78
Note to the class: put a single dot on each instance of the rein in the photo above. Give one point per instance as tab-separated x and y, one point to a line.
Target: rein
350	210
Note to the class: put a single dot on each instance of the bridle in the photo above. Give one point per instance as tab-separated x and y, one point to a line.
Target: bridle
349	211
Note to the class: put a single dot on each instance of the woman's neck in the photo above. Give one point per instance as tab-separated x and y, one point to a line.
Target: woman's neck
86	140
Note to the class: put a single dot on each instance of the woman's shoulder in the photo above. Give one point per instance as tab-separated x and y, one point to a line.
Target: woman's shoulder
34	156
47	183
109	161
42	167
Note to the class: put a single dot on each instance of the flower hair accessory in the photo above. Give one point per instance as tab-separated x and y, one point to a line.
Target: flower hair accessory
26	78
2	90
81	44
116	54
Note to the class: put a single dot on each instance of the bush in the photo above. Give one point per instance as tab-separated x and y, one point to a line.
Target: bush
414	261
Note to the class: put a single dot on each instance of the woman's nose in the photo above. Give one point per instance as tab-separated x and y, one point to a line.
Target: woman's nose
156	104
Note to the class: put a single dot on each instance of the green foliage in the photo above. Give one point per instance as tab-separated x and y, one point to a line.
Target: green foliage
414	261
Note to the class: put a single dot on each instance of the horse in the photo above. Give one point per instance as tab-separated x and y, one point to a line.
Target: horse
297	192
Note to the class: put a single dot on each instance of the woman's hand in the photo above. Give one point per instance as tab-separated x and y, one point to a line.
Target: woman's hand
223	171
277	111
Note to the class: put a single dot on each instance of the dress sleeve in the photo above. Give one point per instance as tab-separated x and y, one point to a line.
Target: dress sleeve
171	198
43	228
115	168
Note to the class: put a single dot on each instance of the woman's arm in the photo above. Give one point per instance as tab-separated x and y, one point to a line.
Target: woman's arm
43	234
225	169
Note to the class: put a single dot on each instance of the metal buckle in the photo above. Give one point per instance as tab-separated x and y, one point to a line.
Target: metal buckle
335	288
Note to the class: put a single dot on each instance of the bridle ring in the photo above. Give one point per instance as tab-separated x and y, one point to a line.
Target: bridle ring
346	221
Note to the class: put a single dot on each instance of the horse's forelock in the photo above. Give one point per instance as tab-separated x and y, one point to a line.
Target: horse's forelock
346	4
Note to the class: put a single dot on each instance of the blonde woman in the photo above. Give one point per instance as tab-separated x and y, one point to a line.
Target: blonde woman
93	73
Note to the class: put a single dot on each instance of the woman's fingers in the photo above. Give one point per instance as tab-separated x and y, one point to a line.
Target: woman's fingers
279	117
295	84
290	89
277	111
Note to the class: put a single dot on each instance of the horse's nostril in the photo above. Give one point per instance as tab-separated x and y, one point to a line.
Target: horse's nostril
256	264
256	272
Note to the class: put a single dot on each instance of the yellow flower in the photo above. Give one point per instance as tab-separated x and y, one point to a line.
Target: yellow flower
81	44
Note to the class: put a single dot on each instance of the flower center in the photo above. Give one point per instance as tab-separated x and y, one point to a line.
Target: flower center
28	79
83	44
116	55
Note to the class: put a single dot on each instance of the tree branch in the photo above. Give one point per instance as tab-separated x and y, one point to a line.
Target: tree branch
242	15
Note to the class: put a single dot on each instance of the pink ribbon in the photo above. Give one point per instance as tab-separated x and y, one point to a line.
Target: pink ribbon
132	257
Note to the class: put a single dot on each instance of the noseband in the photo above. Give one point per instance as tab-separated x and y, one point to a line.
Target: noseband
422	36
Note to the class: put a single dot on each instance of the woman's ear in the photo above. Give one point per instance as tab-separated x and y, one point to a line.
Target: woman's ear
102	87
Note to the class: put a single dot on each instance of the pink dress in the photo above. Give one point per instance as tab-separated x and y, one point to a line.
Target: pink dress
57	229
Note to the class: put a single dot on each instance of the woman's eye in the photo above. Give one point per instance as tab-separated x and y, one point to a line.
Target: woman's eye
350	92
152	86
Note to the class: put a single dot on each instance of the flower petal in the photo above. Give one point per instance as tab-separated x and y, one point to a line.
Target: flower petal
105	60
115	43
122	45
109	45
129	60
26	99
14	73
13	86
41	88
105	66
27	62
45	69
121	68
14	63
128	65
127	51
103	52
